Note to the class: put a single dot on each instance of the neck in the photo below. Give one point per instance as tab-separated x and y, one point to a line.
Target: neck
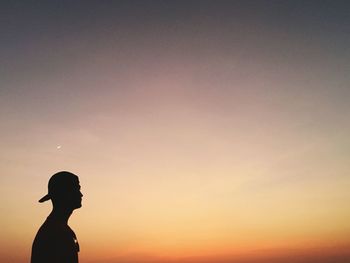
61	214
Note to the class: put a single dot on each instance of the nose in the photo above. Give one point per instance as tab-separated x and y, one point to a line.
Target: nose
81	194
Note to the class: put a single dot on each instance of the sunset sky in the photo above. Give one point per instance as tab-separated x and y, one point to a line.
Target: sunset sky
202	131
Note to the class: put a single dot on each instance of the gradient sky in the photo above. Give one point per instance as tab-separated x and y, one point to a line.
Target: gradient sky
202	131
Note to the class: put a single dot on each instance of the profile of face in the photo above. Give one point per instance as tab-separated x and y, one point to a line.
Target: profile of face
70	197
74	197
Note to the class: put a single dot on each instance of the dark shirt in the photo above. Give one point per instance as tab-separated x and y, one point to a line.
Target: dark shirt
55	242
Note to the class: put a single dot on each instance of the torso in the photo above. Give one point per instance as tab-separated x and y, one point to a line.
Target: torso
55	242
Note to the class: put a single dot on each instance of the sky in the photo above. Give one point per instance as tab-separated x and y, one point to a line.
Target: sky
201	131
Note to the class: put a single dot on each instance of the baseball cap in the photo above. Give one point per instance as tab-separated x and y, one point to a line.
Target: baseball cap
59	183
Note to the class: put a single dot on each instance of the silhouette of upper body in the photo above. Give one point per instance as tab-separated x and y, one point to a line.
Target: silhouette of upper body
55	241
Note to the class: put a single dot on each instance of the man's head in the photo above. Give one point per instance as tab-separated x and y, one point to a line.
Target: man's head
64	190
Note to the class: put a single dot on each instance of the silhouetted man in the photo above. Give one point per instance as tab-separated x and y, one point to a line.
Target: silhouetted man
55	241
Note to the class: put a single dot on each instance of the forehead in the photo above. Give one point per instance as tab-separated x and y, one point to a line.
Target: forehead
75	183
72	187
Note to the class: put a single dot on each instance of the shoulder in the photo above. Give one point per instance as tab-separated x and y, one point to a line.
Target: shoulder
48	230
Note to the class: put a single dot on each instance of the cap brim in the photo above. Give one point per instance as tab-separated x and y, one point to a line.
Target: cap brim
45	198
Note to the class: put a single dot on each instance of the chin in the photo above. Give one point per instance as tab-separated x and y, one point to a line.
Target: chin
77	206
